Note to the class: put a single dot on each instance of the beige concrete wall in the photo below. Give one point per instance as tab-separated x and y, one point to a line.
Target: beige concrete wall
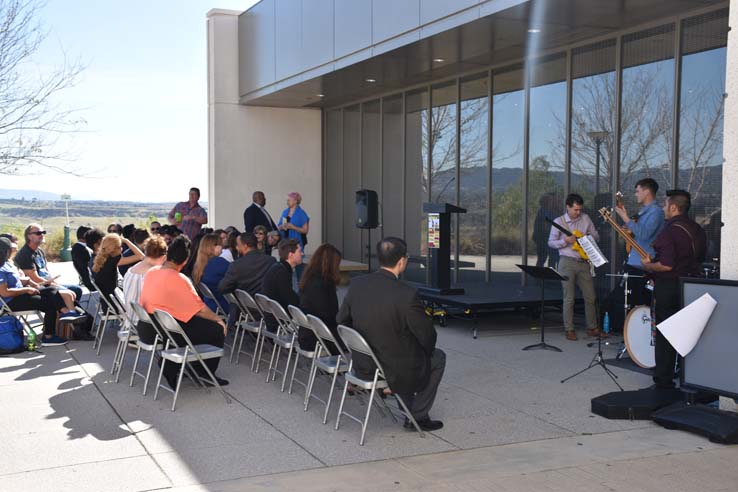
274	150
729	234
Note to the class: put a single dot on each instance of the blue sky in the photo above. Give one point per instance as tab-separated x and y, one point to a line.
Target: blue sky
143	95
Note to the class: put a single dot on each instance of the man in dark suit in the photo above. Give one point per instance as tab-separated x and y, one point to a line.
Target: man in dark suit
248	270
390	316
277	283
256	214
81	258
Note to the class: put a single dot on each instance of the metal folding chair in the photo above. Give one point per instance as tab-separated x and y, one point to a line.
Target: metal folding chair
126	335
184	354
325	361
251	321
106	313
299	320
22	316
357	344
158	344
208	294
283	338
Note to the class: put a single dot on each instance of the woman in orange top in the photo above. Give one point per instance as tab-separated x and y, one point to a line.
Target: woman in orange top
167	289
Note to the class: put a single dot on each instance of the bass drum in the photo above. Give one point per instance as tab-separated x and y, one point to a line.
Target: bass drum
637	334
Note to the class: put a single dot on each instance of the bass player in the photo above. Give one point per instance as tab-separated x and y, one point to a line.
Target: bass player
644	227
573	266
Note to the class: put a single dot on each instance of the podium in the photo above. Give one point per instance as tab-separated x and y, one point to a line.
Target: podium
439	247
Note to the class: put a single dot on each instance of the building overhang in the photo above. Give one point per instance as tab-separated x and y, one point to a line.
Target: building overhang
523	31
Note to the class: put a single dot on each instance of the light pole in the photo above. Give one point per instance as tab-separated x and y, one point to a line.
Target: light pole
598	137
66	252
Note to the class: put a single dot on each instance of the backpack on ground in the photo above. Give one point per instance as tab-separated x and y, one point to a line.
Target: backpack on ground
11	335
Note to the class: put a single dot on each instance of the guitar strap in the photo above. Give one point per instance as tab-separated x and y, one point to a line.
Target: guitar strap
691	239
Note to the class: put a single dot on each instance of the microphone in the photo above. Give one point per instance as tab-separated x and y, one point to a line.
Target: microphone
625	277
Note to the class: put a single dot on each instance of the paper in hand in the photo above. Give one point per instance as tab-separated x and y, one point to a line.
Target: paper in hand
684	328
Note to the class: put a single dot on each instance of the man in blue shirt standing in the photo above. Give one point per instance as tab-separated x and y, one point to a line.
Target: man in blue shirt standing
645	227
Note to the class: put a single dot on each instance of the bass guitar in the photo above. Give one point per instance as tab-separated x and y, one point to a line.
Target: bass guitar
624	233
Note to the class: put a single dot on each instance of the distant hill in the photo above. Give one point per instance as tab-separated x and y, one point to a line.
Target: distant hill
28	195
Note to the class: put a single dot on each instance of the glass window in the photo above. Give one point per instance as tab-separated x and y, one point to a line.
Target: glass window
351	181
333	178
704	40
417	186
593	120
546	156
392	167
370	163
473	178
508	124
647	110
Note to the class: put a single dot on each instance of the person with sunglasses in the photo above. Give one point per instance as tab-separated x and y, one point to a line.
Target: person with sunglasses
31	260
155	227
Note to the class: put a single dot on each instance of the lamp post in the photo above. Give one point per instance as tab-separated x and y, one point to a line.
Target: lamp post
65	254
598	137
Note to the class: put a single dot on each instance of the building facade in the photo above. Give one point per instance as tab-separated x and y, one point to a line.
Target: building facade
501	107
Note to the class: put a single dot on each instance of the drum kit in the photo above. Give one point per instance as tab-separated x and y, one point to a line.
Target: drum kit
638	340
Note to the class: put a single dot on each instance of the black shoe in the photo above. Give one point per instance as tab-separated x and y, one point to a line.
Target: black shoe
426	425
221	381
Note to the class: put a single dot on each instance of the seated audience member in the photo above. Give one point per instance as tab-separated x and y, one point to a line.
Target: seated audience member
155	227
210	269
318	292
169	232
138	237
273	239
155	252
13	242
165	288
223	235
81	255
389	315
127	233
93	238
115	228
277	283
23	294
230	250
247	272
32	261
260	232
107	260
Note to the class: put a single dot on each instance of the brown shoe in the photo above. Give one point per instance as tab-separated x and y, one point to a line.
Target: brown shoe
571	335
594	332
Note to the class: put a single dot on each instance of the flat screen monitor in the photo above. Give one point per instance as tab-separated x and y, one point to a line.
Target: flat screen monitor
713	363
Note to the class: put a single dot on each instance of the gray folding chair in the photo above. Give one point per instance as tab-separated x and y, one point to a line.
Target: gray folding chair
357	344
107	313
126	335
283	338
208	294
151	348
325	361
22	316
252	321
299	320
187	353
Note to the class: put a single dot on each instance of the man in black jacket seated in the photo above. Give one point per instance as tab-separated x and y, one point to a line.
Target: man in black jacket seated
81	258
248	270
256	214
390	316
277	283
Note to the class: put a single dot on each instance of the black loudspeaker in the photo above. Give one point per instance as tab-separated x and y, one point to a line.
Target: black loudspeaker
367	209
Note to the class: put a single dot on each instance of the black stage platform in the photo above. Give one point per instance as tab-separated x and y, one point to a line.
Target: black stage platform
504	292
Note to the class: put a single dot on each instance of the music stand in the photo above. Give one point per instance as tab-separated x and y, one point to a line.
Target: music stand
542	274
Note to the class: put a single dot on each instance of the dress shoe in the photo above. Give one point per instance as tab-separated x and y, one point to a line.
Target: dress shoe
594	332
426	425
571	335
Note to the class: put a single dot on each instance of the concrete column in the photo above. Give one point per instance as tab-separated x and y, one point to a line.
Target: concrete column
729	234
274	150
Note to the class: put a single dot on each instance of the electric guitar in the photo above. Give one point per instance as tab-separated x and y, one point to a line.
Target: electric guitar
576	233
